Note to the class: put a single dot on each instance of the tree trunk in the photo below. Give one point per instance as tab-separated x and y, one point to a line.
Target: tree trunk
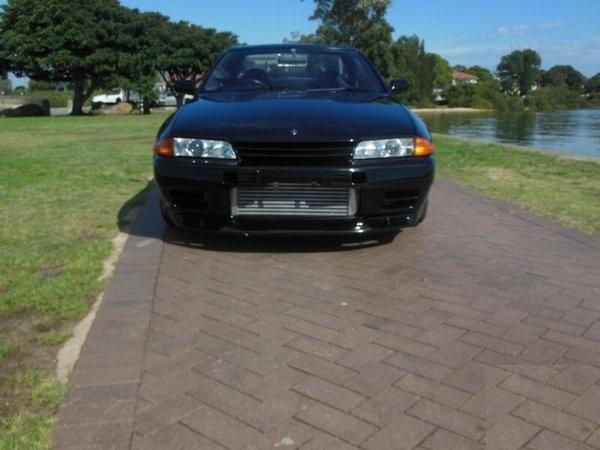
78	96
146	105
180	97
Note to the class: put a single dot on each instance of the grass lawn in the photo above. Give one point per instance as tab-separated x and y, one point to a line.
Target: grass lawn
63	184
562	189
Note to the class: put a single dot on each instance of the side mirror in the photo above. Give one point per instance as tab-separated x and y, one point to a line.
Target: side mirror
399	86
187	87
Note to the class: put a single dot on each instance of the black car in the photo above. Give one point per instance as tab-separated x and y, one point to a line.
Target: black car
294	139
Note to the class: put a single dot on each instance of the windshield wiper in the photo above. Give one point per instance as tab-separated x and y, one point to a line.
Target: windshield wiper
267	88
340	89
264	87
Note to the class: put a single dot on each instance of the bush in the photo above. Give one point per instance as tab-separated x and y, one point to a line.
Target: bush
57	99
462	95
594	99
550	97
483	95
505	103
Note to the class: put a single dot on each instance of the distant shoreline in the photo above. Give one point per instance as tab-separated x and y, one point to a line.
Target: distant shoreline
450	110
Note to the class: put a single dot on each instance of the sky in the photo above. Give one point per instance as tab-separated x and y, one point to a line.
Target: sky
466	32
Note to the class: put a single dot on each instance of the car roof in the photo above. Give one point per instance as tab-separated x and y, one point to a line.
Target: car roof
296	45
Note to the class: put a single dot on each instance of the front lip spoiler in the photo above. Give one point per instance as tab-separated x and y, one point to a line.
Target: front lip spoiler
307	233
356	227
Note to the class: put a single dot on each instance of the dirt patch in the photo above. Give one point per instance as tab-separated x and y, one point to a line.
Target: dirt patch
24	328
499	173
50	272
93	236
21	328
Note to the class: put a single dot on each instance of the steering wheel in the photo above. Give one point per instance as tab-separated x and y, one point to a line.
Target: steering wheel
255	82
256	77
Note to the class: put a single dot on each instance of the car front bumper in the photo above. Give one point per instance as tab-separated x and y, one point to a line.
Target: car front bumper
389	195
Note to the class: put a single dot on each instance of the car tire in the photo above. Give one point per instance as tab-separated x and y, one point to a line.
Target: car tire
118	101
422	218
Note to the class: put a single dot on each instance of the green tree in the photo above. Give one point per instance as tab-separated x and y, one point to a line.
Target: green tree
563	76
188	51
442	72
359	23
519	70
81	41
176	50
100	44
4	68
350	21
412	62
37	85
5	84
146	33
592	85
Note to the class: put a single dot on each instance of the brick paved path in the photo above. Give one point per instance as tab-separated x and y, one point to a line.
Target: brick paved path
480	329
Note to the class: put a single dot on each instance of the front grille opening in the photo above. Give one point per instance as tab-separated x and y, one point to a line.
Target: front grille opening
293	199
294	153
198	221
391	221
188	199
233	178
401	200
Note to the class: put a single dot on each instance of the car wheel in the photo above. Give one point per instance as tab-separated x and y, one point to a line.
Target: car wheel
165	215
118	101
422	218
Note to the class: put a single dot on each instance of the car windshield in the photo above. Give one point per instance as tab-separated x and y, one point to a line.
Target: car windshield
305	69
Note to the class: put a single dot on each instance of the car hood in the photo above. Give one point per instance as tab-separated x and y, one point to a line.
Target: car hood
292	118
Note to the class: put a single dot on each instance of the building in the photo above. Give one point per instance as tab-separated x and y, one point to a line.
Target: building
460	77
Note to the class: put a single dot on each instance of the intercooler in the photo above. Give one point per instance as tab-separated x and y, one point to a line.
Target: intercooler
293	199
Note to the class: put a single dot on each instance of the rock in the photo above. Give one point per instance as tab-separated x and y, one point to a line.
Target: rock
120	109
29	110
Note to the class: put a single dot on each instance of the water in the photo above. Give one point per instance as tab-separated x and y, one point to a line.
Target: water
575	132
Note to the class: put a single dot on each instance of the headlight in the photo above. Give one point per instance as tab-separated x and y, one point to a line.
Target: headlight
203	148
393	148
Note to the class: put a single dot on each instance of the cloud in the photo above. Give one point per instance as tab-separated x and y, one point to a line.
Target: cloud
583	55
520	30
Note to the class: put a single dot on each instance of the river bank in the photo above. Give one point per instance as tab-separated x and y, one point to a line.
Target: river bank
444	110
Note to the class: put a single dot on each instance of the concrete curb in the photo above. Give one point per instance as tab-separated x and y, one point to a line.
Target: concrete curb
108	372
